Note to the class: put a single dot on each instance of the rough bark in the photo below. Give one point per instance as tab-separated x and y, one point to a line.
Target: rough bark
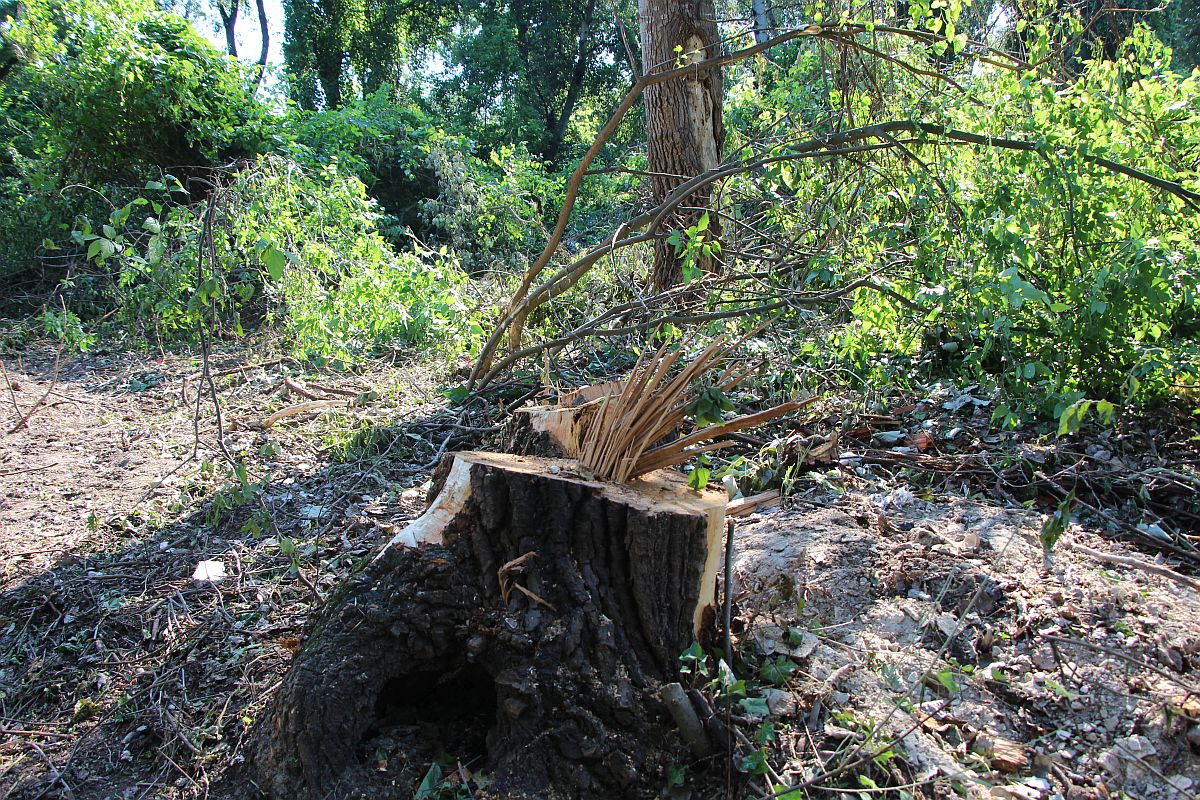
685	132
431	649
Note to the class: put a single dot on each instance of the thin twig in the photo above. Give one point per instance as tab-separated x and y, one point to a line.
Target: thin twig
33	409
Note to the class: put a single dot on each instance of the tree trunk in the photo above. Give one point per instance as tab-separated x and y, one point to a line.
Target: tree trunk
764	24
265	52
583	57
685	132
229	23
522	626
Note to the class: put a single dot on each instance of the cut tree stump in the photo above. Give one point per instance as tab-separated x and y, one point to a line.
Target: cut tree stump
522	627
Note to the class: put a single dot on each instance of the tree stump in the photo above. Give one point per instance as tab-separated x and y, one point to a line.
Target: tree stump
521	626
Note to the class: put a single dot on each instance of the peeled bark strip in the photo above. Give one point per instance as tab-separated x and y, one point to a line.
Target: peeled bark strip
540	671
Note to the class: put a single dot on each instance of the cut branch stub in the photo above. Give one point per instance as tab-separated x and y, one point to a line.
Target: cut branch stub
523	625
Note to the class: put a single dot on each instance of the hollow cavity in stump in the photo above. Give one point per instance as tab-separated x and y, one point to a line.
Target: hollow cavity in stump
521	626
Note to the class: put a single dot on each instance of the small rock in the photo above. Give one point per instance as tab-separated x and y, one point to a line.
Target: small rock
1181	784
946	623
781	703
1193	737
209	572
805	647
1134	747
1043	658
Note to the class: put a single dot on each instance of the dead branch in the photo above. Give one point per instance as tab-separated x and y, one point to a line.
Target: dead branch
300	408
24	418
525	301
300	389
1136	563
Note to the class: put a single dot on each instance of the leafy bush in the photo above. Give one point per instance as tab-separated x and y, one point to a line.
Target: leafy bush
104	94
1041	273
492	213
277	241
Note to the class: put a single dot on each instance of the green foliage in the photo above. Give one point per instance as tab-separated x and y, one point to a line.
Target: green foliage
105	93
698	477
543	74
299	246
1057	523
709	407
437	785
695	245
108	87
493	213
1040	273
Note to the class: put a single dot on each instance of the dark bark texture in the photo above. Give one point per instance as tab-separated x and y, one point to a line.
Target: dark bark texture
430	651
685	132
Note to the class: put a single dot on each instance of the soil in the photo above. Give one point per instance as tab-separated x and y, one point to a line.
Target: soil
893	631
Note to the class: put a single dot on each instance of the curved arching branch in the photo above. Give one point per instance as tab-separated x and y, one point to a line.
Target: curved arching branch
526	299
841	144
513	319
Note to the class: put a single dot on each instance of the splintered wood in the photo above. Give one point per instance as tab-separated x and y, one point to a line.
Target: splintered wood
651	405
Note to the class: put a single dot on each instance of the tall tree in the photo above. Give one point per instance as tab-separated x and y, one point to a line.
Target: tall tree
685	132
10	52
265	35
525	69
229	17
335	49
764	21
228	11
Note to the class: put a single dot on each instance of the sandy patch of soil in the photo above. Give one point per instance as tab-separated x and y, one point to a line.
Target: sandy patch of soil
939	630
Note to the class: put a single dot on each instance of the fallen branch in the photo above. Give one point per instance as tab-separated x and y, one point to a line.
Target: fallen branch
752	504
1136	563
28	470
301	408
838	32
300	389
524	301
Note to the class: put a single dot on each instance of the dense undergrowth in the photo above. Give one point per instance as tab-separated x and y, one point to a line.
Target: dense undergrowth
151	194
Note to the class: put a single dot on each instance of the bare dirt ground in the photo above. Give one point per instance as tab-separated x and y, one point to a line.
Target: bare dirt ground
900	636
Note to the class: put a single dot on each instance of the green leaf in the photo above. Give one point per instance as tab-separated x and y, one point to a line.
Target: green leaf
755	763
777	670
274	260
1056	524
756	706
431	784
698	477
456	394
